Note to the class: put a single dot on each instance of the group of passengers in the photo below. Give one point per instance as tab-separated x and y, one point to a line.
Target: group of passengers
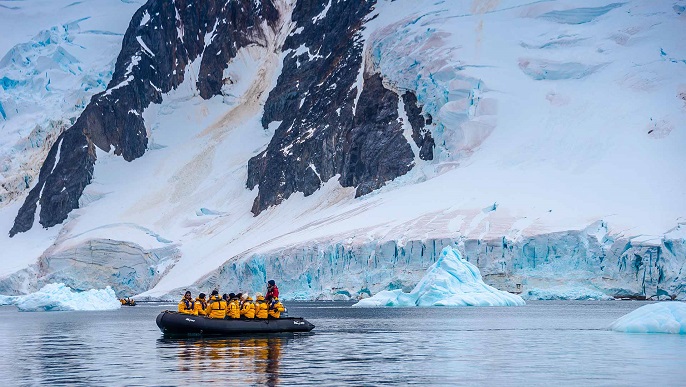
234	306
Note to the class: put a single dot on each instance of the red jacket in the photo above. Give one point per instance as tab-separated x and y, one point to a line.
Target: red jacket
272	293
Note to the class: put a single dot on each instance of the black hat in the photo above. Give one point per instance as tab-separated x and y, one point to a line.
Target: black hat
201	295
188	293
232	295
271	282
215	292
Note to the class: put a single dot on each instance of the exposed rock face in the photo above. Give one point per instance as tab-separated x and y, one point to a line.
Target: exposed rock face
162	39
327	126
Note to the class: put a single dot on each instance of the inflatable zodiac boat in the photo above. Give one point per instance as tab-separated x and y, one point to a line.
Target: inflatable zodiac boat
180	324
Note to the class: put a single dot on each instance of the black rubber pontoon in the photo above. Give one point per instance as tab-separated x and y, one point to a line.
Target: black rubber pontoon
179	324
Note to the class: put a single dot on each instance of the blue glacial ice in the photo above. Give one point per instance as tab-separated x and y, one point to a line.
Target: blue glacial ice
662	317
451	281
579	15
566	292
58	296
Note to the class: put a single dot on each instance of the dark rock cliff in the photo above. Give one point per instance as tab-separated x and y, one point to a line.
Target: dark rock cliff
328	127
162	38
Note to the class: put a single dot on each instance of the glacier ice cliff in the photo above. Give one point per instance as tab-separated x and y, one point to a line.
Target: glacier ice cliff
451	281
125	266
578	259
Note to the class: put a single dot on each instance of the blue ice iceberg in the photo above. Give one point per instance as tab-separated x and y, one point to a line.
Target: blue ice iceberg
451	281
61	297
662	317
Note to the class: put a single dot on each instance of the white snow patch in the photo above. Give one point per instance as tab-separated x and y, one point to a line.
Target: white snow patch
322	14
144	46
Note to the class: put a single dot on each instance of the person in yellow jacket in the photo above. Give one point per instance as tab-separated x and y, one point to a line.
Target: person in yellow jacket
216	306
187	305
233	310
248	308
276	308
261	307
200	305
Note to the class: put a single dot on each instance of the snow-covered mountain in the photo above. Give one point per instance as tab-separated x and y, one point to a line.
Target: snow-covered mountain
338	146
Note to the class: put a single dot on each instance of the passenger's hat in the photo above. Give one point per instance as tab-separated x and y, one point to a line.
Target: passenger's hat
201	295
231	295
188	293
215	292
271	282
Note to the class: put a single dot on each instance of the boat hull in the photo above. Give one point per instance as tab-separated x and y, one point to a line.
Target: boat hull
179	324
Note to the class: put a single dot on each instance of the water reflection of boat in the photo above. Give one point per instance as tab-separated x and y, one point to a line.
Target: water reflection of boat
179	324
238	360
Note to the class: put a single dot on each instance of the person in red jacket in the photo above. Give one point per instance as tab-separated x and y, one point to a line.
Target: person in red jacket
272	291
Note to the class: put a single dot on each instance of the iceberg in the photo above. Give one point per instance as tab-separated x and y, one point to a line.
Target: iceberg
566	293
451	281
662	317
58	296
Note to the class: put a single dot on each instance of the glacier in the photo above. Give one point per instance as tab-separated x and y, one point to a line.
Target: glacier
662	317
451	281
513	125
59	297
563	292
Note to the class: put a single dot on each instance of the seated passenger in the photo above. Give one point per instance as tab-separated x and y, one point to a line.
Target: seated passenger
187	305
216	307
200	305
275	308
233	310
248	308
261	307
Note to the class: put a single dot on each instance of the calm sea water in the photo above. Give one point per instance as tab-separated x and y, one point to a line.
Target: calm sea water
543	343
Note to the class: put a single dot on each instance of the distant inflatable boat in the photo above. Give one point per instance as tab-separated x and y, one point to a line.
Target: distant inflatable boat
179	324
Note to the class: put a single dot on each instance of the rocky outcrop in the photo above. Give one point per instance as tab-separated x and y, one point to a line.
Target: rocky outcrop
162	39
330	123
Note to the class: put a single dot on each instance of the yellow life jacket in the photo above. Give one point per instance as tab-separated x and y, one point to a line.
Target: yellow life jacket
233	310
248	309
276	309
261	309
216	308
200	307
187	307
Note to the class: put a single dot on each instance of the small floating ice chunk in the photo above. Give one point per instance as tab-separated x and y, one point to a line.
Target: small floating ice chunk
661	317
61	297
451	281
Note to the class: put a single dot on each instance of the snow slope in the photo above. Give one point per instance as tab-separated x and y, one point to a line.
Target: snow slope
558	128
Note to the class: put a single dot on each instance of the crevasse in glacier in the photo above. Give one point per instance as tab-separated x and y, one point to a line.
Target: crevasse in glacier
451	281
